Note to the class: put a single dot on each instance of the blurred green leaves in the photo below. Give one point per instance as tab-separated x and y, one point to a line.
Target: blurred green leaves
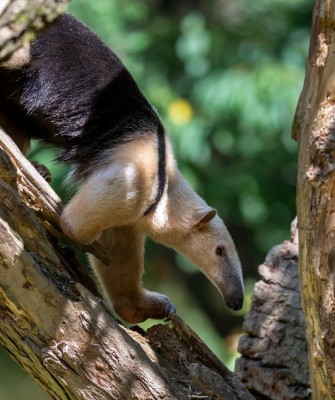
192	46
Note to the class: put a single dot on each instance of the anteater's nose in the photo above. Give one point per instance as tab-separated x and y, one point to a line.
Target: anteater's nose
234	302
232	292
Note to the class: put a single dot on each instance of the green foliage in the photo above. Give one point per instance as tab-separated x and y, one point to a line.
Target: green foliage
225	76
16	384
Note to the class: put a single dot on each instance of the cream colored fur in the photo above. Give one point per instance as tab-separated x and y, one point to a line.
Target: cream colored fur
110	207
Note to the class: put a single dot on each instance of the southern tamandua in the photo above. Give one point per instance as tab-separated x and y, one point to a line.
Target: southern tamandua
69	89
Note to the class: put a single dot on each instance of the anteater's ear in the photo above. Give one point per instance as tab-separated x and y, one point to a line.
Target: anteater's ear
202	217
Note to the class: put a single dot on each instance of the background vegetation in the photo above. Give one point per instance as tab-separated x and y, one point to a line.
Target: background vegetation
225	76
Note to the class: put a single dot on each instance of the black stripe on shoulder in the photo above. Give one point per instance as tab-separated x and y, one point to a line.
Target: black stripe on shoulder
161	173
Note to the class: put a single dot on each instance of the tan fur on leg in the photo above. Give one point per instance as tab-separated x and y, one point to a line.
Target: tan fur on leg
118	193
110	197
121	280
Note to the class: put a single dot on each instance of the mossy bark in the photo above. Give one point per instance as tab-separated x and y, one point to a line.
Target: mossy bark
21	20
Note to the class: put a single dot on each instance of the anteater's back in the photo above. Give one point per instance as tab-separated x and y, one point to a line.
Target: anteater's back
75	93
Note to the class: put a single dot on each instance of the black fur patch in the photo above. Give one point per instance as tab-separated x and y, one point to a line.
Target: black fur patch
75	93
161	168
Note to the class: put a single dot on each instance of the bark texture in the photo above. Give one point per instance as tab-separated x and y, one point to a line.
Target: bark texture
274	362
21	20
57	328
314	129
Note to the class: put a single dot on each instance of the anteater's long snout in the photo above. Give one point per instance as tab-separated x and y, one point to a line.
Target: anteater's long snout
232	292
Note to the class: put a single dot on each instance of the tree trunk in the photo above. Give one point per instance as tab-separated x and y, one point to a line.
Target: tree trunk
314	130
52	320
274	362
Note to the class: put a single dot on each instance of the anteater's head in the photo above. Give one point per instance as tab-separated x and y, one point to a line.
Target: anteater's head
209	245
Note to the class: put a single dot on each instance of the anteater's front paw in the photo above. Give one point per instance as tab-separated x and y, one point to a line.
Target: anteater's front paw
146	305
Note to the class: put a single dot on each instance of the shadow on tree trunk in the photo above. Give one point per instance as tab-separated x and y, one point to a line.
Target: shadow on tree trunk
274	362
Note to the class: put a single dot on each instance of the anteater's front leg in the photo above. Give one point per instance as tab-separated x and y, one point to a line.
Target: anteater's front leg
121	280
112	196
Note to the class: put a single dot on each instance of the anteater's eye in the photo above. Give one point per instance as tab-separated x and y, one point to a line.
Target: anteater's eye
219	251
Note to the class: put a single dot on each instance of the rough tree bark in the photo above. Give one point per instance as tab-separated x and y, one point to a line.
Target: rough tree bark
314	129
274	362
21	20
55	325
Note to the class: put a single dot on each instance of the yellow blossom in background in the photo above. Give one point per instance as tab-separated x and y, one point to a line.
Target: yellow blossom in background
180	111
